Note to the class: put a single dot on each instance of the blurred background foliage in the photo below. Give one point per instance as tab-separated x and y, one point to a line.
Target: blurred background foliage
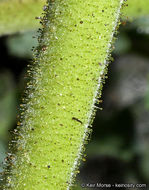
118	149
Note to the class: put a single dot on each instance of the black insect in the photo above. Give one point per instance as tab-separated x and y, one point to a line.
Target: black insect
76	119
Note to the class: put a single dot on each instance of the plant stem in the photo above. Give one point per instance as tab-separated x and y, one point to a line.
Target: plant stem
69	68
19	15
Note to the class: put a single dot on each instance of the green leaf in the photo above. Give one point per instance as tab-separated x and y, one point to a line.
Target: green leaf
19	15
136	8
7	103
20	45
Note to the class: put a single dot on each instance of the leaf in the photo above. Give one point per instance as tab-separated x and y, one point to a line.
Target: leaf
19	15
7	103
21	44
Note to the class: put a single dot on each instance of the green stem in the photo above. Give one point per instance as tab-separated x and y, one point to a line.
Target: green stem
70	65
22	13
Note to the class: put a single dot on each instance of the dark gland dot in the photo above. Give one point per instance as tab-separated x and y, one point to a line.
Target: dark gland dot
102	10
44	48
81	22
37	17
45	8
48	166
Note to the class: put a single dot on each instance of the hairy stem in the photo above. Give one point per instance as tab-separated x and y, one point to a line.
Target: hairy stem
69	68
19	15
